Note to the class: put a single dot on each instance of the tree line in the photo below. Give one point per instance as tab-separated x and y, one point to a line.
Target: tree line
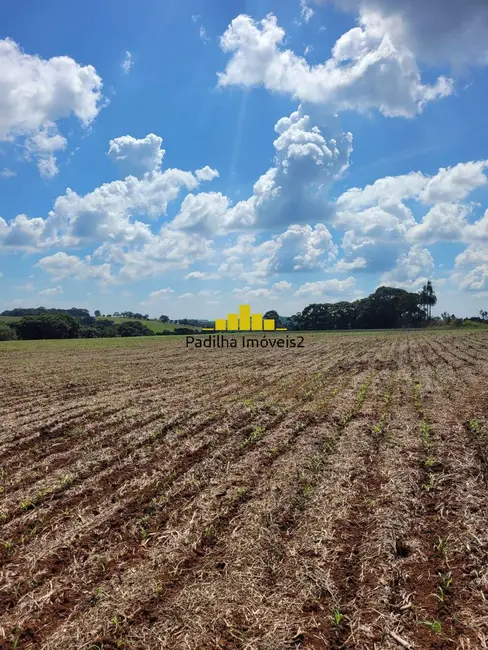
41	323
386	308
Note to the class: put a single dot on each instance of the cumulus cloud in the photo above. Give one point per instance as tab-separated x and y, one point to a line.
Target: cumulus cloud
443	222
36	93
473	255
455	183
437	31
475	280
24	233
7	173
206	173
137	156
274	292
61	266
367	69
299	248
203	212
327	287
353	265
42	146
380	224
169	249
411	271
104	214
477	231
307	162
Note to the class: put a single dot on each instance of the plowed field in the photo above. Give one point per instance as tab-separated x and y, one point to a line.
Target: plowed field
335	496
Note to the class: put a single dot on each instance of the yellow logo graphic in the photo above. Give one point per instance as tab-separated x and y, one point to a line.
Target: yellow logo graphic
244	322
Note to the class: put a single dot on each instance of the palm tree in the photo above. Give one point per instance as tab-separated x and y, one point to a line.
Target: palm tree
428	298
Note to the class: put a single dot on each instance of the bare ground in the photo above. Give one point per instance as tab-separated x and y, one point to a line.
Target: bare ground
331	497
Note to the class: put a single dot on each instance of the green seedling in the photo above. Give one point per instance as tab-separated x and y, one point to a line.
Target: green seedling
337	617
434	626
429	462
144	534
307	490
430	483
441	547
475	427
27	504
445	585
66	481
255	436
240	492
425	431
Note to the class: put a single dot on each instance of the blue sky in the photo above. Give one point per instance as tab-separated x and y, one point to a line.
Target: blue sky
181	158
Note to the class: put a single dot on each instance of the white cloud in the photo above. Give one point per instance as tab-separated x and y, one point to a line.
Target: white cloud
24	233
307	12
379	223
437	31
161	293
186	296
283	285
473	255
104	214
455	183
36	93
367	69
307	162
326	287
412	270
477	231
7	173
203	212
275	292
127	63
475	280
52	292
448	185
61	266
443	222
48	167
170	249
197	275
203	34
137	156
299	248
206	174
343	266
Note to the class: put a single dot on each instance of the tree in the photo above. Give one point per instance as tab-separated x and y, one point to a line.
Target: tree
7	333
48	326
163	319
483	314
428	298
97	313
273	315
133	328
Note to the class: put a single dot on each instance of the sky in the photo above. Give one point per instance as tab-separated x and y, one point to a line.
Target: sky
184	158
